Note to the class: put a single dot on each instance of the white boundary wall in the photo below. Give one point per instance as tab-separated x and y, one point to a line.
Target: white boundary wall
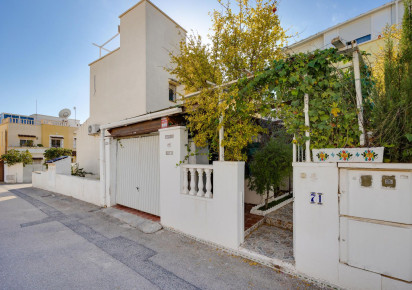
373	251
219	219
81	188
14	173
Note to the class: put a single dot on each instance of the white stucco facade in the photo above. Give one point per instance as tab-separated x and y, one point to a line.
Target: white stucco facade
131	80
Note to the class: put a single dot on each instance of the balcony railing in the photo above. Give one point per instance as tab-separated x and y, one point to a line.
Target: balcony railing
197	180
36	122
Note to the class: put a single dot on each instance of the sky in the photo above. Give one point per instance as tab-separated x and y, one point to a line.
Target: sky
46	45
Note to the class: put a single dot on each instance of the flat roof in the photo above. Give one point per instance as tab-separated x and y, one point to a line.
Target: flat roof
157	8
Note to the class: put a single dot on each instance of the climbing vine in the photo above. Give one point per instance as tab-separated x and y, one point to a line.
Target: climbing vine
332	98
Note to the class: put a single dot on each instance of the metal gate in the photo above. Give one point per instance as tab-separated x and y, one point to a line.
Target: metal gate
138	173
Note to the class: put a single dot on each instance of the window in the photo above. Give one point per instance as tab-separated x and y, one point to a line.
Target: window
56	143
172	92
363	39
26	143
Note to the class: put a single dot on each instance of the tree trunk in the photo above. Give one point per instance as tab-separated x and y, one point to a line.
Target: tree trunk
267	199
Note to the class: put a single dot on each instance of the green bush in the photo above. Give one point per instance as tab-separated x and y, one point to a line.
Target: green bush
392	114
53	153
270	165
15	156
40	145
76	171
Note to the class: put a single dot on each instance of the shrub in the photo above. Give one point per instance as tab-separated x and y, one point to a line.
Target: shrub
392	112
15	156
40	145
53	153
76	171
270	165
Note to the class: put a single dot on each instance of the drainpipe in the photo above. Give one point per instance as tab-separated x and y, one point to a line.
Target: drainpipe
102	169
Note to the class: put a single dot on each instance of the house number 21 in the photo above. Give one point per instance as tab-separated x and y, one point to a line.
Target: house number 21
313	198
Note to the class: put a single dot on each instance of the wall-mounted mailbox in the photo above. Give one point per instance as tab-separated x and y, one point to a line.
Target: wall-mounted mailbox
366	180
389	181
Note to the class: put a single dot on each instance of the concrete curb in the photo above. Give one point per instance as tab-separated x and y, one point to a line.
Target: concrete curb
143	225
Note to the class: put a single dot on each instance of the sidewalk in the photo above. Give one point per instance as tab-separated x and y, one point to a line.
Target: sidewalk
52	241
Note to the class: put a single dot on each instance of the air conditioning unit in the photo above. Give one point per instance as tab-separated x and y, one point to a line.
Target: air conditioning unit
94	129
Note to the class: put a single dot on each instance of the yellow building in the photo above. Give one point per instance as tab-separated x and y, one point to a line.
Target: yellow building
36	135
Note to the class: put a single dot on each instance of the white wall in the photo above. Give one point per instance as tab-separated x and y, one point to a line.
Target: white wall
81	188
130	81
162	37
220	219
362	242
14	173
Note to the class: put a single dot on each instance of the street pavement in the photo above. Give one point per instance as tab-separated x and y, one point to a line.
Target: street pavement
50	241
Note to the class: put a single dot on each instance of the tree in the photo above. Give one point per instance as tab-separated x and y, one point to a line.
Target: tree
241	44
393	97
53	153
14	156
270	165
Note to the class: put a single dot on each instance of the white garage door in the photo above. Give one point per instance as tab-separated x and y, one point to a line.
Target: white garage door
138	173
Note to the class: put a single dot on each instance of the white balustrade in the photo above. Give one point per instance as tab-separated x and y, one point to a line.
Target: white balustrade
192	181
199	175
185	181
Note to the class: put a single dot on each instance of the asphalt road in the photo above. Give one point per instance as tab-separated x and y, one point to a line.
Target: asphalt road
50	241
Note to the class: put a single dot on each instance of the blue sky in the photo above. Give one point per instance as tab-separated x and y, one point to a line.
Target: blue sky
46	45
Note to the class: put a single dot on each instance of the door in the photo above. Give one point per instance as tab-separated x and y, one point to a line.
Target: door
138	173
1	171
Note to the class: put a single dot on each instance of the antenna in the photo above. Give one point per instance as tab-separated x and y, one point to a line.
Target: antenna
75	122
65	113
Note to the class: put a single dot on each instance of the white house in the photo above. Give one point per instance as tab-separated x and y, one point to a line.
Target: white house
131	80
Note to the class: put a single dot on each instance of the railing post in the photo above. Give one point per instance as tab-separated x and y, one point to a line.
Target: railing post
200	191
192	181
185	181
208	183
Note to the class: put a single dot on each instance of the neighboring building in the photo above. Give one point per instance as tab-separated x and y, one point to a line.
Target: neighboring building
36	133
366	29
131	80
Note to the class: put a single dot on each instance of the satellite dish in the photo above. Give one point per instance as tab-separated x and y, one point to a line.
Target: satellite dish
65	113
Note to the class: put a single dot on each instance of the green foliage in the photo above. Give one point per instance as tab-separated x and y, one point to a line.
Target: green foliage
15	156
270	165
243	41
76	171
40	145
53	153
391	119
331	91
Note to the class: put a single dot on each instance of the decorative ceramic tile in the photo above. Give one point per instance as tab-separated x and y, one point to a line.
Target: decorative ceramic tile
373	154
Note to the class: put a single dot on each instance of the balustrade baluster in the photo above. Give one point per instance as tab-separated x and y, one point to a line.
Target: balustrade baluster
200	191
208	183
192	181
185	181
